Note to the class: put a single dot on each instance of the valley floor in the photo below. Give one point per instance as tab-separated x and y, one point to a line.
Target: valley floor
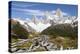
43	43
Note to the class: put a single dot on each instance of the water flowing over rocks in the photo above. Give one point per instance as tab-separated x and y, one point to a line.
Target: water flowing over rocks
40	42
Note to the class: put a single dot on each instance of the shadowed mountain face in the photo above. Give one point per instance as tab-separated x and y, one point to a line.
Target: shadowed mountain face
65	30
17	31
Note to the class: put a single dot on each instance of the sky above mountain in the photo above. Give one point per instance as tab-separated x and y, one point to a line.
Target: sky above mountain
28	9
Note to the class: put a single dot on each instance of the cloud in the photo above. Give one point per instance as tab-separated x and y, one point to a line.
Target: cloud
21	5
53	11
37	12
30	11
63	13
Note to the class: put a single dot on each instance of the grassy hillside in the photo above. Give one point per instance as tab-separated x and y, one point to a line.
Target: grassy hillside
64	30
63	34
20	32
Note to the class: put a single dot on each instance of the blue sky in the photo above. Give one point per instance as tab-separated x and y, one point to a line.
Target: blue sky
28	9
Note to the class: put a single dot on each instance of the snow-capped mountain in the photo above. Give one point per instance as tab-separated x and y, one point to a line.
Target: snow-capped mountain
31	26
39	24
59	18
39	27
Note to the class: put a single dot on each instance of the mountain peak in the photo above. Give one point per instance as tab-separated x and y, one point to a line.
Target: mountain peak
39	24
59	12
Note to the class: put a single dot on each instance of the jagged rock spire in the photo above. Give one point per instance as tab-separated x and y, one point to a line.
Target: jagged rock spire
34	19
59	12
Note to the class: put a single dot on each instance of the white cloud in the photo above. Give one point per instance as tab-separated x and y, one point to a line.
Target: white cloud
30	11
53	11
64	13
28	5
35	12
38	12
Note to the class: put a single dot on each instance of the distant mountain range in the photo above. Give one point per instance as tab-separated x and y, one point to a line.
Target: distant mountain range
38	25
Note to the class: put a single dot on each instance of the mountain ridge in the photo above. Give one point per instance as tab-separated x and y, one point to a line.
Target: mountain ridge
38	25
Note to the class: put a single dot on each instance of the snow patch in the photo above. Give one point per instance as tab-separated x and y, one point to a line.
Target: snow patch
39	27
